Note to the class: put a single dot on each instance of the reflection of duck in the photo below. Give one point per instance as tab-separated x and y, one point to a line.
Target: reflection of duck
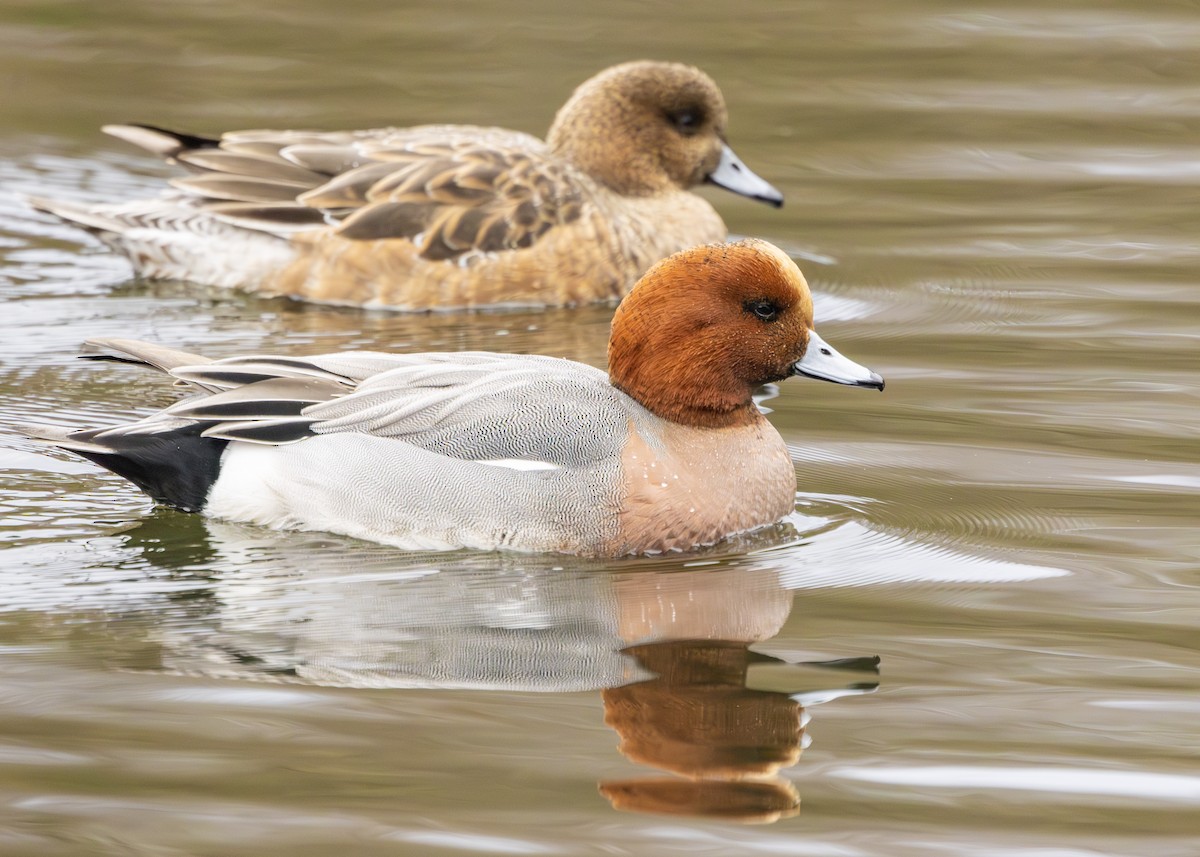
334	611
667	647
442	216
696	717
754	801
699	715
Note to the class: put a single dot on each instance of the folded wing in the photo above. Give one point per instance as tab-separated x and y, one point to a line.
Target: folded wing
473	406
455	192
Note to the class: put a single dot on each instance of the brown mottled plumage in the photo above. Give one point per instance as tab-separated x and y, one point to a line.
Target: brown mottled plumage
443	216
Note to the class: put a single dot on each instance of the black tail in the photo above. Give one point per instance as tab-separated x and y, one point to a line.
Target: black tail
177	467
167	454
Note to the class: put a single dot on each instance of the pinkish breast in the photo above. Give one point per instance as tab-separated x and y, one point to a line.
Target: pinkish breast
685	486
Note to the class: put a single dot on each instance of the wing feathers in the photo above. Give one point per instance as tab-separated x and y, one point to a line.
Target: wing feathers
332	160
226	374
275	397
240	188
279	218
258	166
451	191
483	407
386	220
349	189
269	432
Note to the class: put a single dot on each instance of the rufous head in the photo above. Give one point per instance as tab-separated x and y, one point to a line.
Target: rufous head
707	326
645	128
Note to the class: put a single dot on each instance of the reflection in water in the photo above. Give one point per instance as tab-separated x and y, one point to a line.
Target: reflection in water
996	201
714	712
669	651
753	801
699	718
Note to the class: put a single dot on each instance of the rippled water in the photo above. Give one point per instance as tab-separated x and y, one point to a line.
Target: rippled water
996	207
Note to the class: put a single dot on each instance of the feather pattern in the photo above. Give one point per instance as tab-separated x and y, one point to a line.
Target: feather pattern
440	216
456	404
459	404
451	195
240	188
366	443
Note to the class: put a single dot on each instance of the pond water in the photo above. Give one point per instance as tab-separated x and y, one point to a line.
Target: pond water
995	203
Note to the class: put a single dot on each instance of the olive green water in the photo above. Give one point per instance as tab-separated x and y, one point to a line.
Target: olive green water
996	206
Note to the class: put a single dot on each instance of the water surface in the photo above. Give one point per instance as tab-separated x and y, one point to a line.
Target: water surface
995	204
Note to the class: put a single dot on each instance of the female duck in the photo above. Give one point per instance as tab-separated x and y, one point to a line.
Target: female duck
435	451
442	217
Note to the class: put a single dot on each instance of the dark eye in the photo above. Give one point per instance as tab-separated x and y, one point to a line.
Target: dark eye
686	122
763	309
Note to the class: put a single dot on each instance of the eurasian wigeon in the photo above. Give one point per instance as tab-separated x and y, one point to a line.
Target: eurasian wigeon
442	216
667	451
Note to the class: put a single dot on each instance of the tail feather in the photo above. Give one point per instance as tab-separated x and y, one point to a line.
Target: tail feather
174	455
168	458
57	436
176	466
176	238
88	217
143	353
160	141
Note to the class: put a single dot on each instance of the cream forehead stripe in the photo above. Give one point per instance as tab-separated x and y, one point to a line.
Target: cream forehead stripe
787	268
784	261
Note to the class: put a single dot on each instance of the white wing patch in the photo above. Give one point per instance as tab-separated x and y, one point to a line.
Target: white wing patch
520	464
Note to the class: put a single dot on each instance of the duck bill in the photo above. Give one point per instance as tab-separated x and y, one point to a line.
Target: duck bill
823	362
733	175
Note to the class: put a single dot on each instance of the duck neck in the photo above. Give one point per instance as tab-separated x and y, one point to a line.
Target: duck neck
696	416
687	395
581	137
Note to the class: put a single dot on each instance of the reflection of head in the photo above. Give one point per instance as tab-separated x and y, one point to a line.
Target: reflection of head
753	802
698	719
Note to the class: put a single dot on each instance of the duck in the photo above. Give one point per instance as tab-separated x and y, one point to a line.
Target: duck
441	217
666	451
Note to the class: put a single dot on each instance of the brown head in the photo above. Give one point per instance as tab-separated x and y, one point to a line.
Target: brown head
704	328
645	128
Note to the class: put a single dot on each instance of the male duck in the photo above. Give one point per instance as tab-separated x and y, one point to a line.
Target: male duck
666	451
442	216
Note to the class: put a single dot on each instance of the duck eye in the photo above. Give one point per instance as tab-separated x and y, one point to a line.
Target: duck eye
763	309
686	122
